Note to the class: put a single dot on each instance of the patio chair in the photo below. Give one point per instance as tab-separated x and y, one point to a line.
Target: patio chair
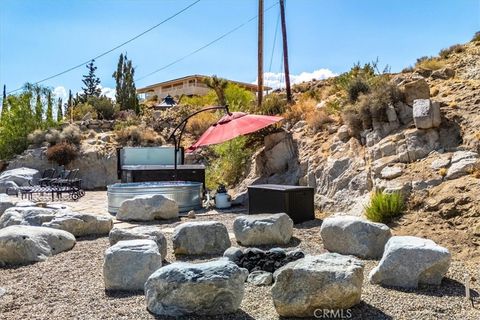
47	176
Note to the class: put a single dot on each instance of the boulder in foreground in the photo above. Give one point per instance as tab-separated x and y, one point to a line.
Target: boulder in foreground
326	281
196	238
143	232
408	261
27	244
263	229
147	208
209	288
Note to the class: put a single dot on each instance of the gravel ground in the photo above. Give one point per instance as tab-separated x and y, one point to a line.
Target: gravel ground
70	286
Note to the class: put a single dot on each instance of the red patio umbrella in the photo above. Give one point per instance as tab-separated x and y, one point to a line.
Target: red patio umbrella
231	126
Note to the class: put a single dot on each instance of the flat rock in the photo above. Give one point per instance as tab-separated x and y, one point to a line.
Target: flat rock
209	288
391	172
143	232
463	162
30	216
81	224
260	278
128	264
27	244
263	229
408	261
355	236
326	281
440	163
203	237
147	208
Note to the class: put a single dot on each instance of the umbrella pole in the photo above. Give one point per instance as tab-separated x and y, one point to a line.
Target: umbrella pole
183	125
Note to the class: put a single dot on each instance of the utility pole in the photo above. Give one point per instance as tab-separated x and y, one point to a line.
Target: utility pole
260	53
285	51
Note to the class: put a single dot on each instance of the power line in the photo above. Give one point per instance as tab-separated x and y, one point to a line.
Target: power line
116	47
274	42
205	46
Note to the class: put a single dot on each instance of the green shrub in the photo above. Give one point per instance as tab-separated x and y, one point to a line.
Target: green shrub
383	207
273	104
103	106
476	37
62	153
199	101
80	110
239	99
356	88
456	48
71	134
229	164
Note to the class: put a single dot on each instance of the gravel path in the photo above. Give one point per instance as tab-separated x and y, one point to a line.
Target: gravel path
70	286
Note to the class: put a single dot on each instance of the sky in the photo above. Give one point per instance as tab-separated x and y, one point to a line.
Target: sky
40	38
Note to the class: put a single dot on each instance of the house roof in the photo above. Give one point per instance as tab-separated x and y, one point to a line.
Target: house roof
250	86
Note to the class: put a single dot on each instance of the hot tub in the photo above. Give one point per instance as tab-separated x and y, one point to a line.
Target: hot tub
187	194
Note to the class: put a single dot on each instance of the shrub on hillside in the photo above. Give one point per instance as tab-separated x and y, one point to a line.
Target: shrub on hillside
80	110
273	104
429	63
62	153
383	207
134	136
198	124
300	109
356	88
476	37
37	137
238	98
318	119
53	136
456	48
71	134
103	106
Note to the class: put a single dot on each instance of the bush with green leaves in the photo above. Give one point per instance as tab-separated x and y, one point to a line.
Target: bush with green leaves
447	52
104	107
230	160
274	103
62	153
383	207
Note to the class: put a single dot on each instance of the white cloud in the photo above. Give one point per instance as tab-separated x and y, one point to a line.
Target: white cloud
61	92
277	80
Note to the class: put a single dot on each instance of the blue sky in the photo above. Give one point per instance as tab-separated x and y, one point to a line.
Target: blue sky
39	38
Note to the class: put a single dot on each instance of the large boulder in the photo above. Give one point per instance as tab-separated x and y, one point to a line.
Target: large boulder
147	208
128	264
5	203
29	216
81	224
209	288
462	163
27	244
408	261
261	229
416	89
204	237
327	281
143	232
355	236
426	114
19	176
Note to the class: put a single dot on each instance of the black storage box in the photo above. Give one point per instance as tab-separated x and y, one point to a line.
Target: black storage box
296	201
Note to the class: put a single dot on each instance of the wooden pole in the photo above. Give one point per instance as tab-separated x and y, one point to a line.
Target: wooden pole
260	53
285	51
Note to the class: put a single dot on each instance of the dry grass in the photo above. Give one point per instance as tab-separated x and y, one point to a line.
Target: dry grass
431	64
299	110
200	123
442	172
318	119
138	136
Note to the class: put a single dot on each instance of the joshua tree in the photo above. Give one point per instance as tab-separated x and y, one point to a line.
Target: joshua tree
218	85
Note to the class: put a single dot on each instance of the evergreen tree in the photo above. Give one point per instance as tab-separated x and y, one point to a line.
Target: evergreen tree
69	106
38	107
60	110
4	102
126	92
91	82
49	108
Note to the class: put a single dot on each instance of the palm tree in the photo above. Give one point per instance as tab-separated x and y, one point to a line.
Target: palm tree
218	85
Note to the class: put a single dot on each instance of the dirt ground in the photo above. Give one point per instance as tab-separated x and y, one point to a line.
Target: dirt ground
70	284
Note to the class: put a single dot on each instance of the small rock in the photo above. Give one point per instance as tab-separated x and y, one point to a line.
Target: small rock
233	254
260	278
463	162
391	172
438	164
191	214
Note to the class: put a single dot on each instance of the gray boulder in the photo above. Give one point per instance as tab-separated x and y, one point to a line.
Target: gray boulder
462	163
262	229
416	89
147	208
203	237
19	176
327	281
144	232
209	288
233	254
355	236
5	203
128	264
81	224
408	261
260	278
443	73
391	172
426	114
27	244
29	216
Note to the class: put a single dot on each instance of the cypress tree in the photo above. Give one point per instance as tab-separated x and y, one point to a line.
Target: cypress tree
60	110
38	107
49	108
91	82
126	95
4	102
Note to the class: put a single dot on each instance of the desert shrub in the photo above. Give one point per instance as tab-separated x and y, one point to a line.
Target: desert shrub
383	207
37	137
446	52
273	104
62	153
408	69
229	164
356	88
300	109
239	99
442	172
53	136
199	101
153	98
103	106
124	115
138	136
430	63
82	109
317	119
71	134
200	122
476	36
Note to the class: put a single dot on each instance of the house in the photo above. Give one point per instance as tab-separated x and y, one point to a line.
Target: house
190	86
